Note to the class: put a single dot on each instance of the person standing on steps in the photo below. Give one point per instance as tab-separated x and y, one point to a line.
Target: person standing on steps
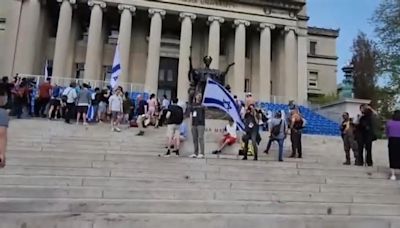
198	114
83	101
68	97
393	134
3	136
174	118
366	134
349	142
141	111
116	109
277	130
251	120
296	128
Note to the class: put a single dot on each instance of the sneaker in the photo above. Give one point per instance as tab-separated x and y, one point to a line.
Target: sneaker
346	163
216	152
193	156
141	133
85	124
176	152
393	178
117	129
200	156
167	155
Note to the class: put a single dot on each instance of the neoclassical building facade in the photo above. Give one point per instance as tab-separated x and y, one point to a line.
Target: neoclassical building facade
276	54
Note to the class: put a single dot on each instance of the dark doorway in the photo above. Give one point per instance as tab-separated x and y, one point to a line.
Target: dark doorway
168	77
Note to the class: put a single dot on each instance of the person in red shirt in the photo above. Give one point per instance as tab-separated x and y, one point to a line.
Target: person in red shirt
44	97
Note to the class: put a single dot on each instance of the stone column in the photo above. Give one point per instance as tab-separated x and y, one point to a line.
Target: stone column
26	46
240	57
184	53
124	40
153	55
290	64
302	92
94	40
214	40
62	39
264	85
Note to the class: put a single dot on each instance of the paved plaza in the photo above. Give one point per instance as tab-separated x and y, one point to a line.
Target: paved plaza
61	175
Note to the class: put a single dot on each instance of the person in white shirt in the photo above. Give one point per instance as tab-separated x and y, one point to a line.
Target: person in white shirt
115	108
68	97
230	136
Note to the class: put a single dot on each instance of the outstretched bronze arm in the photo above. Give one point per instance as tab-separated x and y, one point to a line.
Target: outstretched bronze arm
227	69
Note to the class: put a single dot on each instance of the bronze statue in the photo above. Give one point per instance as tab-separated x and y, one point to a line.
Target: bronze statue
198	77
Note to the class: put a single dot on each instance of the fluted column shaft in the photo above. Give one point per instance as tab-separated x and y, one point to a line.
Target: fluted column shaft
214	40
184	53
62	39
94	40
290	63
239	57
153	55
27	37
264	86
124	40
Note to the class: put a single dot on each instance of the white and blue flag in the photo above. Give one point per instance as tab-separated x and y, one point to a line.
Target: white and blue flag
46	70
215	95
116	69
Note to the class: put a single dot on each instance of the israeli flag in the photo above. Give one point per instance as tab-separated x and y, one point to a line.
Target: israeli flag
91	113
215	95
46	70
116	69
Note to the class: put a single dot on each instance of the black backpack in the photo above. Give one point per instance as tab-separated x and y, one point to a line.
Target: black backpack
276	129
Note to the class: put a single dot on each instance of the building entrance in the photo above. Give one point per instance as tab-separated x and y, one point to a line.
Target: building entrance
168	77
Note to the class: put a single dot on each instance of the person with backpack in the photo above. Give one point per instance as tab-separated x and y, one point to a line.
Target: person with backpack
277	130
251	120
174	118
296	128
366	130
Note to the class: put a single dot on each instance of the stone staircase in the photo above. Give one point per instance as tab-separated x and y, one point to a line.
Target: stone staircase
74	176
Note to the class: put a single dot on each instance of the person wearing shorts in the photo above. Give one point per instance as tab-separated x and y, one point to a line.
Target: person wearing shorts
174	117
230	136
115	108
84	99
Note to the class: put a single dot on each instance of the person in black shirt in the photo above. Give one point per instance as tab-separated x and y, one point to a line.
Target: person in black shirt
198	113
95	100
365	134
174	118
141	112
251	120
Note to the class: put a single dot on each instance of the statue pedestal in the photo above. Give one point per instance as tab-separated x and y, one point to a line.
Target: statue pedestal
334	110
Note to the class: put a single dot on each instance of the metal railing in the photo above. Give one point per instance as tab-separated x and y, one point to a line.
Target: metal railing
64	82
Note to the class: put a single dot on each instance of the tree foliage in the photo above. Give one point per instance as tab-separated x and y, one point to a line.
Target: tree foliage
386	20
365	59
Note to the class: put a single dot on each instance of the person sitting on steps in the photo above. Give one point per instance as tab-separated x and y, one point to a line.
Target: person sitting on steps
230	136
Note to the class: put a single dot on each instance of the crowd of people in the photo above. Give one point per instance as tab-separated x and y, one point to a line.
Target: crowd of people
82	103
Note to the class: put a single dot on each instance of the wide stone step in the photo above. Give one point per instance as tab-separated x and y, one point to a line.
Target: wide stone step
191	206
97	220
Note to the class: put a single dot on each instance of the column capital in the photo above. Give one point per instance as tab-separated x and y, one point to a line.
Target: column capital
290	28
92	3
131	8
241	22
155	11
70	1
189	15
218	19
267	25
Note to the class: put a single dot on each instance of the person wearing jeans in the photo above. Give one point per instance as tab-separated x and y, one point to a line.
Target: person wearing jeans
277	123
198	126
